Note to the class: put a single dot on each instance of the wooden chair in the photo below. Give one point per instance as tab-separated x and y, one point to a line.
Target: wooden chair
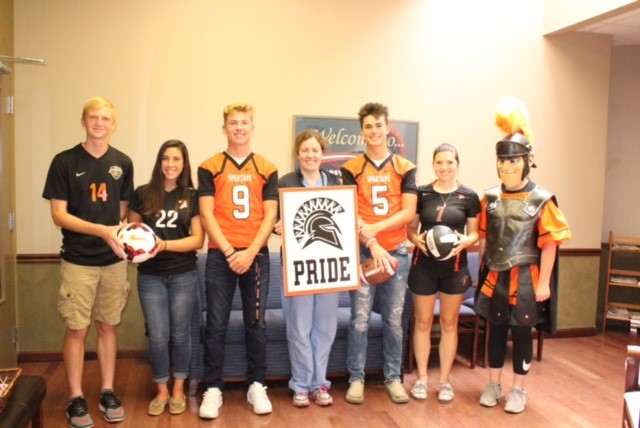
631	407
468	323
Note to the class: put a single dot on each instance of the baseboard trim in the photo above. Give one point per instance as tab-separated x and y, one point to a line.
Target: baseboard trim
573	332
45	357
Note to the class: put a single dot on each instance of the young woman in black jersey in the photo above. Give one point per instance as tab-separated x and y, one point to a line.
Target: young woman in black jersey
167	282
442	202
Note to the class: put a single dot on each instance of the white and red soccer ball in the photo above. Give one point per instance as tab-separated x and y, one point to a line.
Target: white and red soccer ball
138	241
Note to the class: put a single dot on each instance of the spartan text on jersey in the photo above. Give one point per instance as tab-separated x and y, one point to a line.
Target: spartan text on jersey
240	177
378	179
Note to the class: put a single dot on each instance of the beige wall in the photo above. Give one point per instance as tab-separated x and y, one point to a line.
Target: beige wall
621	198
565	15
170	68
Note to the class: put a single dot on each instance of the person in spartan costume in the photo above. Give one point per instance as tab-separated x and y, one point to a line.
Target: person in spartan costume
520	228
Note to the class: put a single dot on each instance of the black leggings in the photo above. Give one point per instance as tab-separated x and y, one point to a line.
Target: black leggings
522	347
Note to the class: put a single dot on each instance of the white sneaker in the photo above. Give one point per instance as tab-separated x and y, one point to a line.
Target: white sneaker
211	402
419	390
491	395
516	400
257	397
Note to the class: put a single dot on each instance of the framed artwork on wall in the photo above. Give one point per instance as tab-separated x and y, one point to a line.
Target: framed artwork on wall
345	141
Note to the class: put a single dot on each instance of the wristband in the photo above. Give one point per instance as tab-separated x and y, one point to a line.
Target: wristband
370	241
230	255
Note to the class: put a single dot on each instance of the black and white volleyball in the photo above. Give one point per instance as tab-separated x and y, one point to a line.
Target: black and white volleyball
440	241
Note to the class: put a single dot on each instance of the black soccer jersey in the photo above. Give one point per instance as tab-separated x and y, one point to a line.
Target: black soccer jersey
170	224
93	189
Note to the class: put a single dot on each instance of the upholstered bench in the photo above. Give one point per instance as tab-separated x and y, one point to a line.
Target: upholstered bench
25	403
278	365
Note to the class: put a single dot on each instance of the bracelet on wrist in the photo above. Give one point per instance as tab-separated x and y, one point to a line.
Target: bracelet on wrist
369	242
233	253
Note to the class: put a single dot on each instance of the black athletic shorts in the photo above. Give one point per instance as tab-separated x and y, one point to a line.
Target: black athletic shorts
428	280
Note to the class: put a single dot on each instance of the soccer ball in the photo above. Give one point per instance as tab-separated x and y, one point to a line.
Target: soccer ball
440	241
138	241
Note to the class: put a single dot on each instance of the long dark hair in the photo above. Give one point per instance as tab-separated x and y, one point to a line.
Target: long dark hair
153	193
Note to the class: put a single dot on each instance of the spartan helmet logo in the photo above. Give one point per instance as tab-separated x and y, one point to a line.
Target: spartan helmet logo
321	227
314	222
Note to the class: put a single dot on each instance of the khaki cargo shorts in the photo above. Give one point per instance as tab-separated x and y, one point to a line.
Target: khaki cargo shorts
100	292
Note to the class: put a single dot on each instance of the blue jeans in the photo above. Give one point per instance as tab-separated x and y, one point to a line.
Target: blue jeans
392	295
167	304
221	283
312	321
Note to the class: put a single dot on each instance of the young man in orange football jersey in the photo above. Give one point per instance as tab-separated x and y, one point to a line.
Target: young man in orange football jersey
238	198
387	197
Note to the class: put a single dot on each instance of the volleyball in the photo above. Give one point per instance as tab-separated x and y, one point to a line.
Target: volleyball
440	242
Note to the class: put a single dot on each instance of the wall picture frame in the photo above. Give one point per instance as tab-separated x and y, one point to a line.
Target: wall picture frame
344	140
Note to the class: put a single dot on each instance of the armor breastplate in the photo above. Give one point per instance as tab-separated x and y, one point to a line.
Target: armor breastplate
512	231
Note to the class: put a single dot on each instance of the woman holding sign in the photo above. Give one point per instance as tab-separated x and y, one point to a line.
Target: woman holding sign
311	319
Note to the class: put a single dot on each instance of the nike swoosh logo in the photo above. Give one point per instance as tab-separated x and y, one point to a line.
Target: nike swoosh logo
526	366
78	174
138	238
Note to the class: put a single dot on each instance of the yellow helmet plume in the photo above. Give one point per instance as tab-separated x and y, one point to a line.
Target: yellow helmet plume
513	117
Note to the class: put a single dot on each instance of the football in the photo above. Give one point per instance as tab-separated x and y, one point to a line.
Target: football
375	275
138	241
440	241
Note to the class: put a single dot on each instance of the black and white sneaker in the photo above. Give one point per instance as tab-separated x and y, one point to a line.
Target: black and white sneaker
77	413
110	406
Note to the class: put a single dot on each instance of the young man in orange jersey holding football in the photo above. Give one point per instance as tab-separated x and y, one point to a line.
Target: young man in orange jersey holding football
387	197
238	198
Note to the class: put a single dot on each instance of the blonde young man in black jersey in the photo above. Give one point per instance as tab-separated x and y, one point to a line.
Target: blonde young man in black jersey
89	187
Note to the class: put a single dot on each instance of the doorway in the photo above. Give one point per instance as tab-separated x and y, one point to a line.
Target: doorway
8	331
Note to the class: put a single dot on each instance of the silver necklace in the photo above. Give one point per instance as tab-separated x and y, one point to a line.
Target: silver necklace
444	202
440	209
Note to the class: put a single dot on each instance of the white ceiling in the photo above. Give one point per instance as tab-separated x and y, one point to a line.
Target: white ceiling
625	28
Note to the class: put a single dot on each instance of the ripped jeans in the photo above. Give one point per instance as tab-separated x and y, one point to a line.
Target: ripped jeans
391	296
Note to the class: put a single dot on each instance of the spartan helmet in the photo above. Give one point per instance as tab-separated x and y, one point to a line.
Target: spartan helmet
515	145
320	226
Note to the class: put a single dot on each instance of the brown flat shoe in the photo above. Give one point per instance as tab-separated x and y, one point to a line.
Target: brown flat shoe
156	407
177	406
